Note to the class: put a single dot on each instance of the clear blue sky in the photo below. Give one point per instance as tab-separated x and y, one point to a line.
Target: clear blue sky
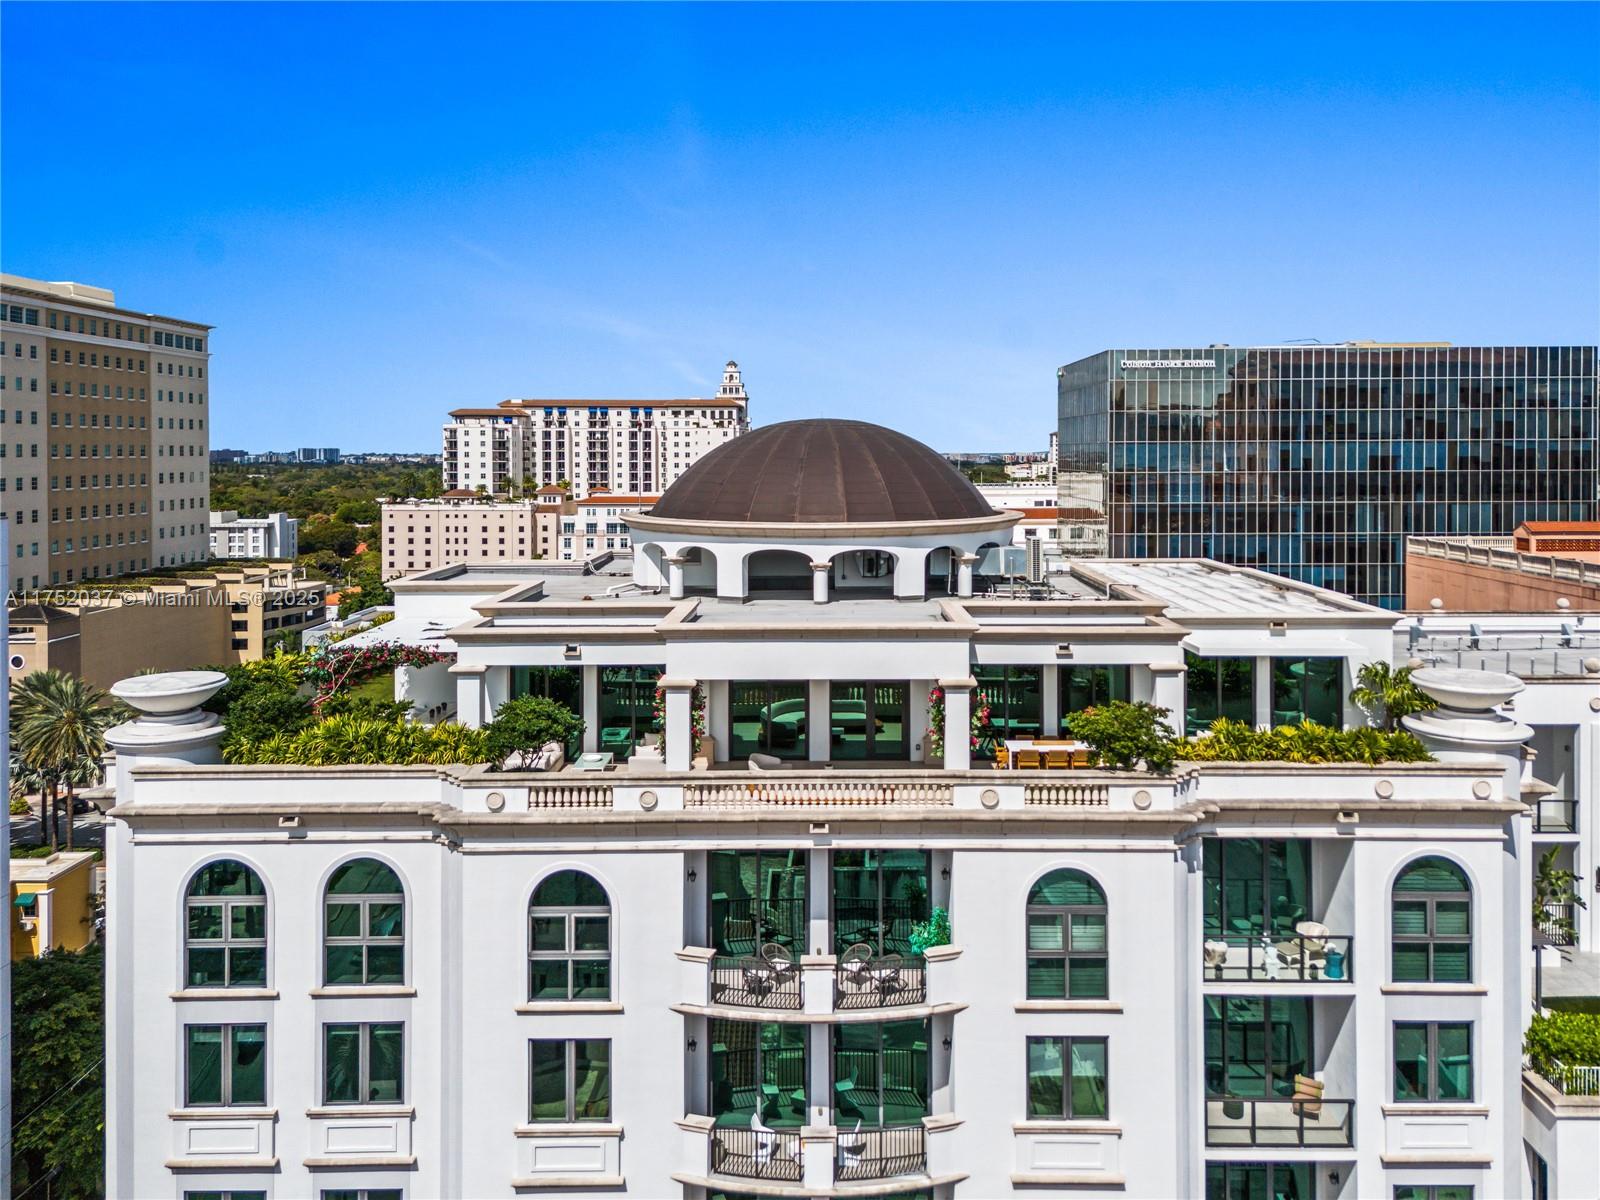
907	214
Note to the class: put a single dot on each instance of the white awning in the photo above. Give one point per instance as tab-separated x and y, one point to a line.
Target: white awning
1244	643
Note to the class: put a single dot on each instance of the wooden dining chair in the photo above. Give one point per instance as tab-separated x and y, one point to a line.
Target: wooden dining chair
1057	760
1028	760
1002	758
1080	759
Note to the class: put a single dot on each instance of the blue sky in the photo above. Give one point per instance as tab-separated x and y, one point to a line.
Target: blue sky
907	214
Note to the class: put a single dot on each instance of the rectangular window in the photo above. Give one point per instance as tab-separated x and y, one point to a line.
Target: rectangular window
569	1080
1085	687
363	1064
224	1065
1433	1191
1014	697
363	1194
229	1194
1218	687
767	718
1067	1078
1432	1061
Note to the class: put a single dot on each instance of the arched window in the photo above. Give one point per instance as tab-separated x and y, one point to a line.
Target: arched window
1066	938
569	939
363	927
225	927
1431	923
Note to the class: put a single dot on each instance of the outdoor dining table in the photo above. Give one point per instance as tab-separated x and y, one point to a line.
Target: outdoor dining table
1012	745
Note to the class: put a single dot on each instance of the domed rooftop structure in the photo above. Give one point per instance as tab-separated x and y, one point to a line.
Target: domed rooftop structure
822	472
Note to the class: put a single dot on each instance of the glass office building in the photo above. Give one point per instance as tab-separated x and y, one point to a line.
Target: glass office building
1316	462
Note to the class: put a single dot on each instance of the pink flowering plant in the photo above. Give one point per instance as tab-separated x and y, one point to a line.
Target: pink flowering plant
334	667
980	719
697	714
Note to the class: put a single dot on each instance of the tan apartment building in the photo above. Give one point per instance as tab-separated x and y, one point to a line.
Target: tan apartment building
633	446
214	618
104	439
464	527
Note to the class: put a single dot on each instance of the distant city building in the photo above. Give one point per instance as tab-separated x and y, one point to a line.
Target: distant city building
464	527
215	616
109	470
326	455
274	536
1316	462
219	457
634	446
1506	574
52	901
306	456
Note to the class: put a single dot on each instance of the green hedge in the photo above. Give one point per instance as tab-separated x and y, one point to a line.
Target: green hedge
1570	1038
1307	742
358	740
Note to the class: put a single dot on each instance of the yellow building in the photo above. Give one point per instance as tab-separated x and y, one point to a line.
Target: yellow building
52	903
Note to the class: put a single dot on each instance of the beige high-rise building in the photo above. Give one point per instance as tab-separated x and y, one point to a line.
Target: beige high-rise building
639	447
104	439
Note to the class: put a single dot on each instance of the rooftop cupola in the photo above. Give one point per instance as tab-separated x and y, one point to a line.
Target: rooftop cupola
732	383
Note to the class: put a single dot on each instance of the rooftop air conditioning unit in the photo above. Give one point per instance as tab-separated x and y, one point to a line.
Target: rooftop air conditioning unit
1003	560
1035	553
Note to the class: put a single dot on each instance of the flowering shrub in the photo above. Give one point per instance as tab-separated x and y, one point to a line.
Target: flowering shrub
697	714
980	718
333	667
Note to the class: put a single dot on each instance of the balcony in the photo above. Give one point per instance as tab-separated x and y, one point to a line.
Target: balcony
1555	816
862	981
880	1153
1279	1121
1310	956
755	981
1558	924
749	1153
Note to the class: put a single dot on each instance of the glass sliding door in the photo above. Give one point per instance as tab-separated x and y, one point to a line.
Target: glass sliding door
1256	1045
757	896
1015	699
1219	687
1260	1181
758	1066
766	718
880	1073
627	707
1255	886
1085	687
877	896
1308	689
868	720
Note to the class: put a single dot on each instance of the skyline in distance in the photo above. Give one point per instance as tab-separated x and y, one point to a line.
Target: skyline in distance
907	215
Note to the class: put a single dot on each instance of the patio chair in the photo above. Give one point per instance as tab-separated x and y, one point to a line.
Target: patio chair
759	976
1307	1098
888	971
852	1147
1080	759
766	1141
739	933
780	960
1216	955
1002	758
854	962
765	762
1028	760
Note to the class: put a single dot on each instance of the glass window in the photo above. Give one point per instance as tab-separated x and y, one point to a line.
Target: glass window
756	897
1431	923
225	927
1255	886
228	1194
363	1063
569	939
878	895
1218	687
1015	700
1308	689
1255	1045
1067	952
1260	1181
1085	687
1067	1077
627	707
758	1067
767	718
363	1194
569	1080
1432	1061
364	926
225	1065
561	684
1433	1191
880	1073
868	720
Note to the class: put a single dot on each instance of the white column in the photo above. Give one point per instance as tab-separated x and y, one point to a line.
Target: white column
819	581
591	708
675	576
910	574
1263	693
1166	692
717	717
958	722
964	576
819	721
679	726
1050	699
730	573
819	890
469	694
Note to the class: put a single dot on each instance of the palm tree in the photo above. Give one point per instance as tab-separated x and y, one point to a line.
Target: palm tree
58	727
26	780
1387	694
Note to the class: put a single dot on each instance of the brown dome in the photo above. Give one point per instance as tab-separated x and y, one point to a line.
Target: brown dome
822	471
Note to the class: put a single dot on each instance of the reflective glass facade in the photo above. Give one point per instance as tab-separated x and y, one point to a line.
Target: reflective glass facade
1316	462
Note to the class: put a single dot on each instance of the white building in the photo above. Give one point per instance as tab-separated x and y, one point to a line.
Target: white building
637	447
276	535
705	974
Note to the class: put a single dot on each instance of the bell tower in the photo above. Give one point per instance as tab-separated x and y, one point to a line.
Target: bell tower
732	383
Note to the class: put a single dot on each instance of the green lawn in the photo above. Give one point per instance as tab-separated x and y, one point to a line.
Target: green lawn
379	687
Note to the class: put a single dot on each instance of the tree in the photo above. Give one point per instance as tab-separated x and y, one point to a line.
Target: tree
1122	735
357	512
1555	890
58	1075
58	725
329	534
1386	694
524	725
